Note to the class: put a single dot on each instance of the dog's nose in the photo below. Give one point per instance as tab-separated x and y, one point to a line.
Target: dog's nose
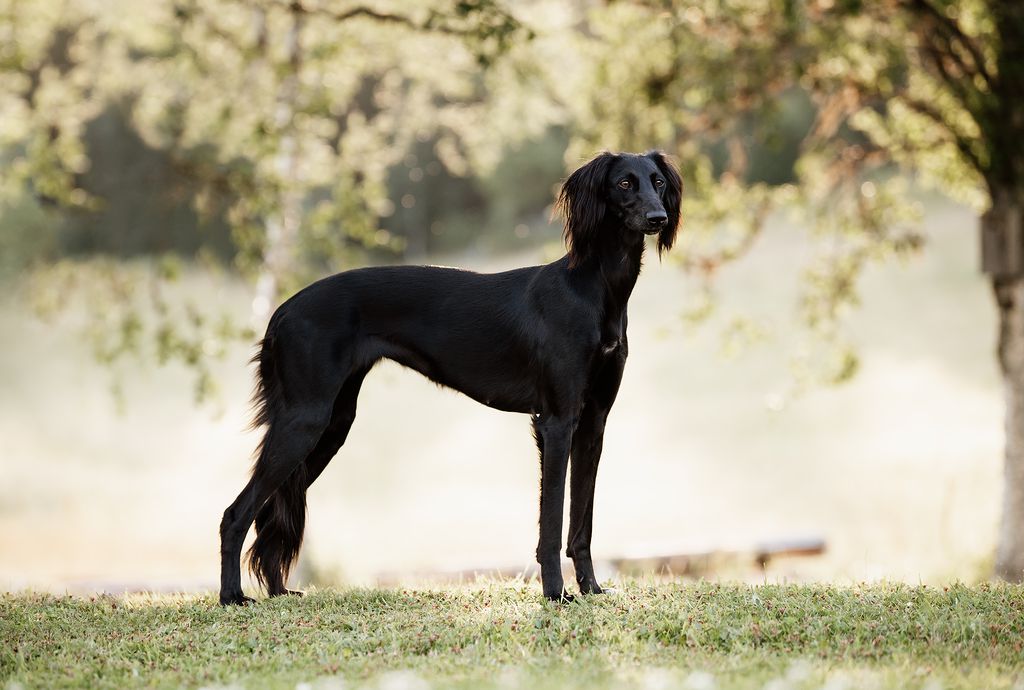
657	217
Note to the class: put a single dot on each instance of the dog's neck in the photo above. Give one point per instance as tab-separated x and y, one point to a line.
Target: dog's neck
619	270
615	266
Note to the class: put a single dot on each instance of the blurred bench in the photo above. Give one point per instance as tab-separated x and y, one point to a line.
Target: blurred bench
696	563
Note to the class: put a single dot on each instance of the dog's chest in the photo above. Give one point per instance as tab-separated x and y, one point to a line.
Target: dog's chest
612	341
611	346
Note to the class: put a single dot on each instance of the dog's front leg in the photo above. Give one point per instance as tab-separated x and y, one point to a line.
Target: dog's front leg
586	453
554	436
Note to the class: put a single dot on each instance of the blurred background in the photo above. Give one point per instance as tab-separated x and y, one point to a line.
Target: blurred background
813	366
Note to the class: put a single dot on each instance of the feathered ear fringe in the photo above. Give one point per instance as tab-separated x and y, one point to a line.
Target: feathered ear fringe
582	201
673	199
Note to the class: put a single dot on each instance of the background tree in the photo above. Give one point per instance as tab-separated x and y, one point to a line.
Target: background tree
291	137
281	121
930	88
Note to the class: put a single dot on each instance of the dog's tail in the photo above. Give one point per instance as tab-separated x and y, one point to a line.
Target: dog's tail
282	519
279	527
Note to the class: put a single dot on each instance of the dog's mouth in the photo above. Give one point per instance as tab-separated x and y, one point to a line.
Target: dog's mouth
642	226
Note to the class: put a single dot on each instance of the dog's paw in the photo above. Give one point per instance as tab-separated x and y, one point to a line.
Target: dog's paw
295	592
236	599
563	598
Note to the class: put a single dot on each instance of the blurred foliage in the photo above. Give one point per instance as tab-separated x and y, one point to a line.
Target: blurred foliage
291	139
126	312
897	86
206	129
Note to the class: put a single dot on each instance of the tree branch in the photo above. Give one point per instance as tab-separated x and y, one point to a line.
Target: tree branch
370	13
952	32
962	143
956	85
435	21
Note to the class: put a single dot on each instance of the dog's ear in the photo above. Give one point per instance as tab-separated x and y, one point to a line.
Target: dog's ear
582	202
673	199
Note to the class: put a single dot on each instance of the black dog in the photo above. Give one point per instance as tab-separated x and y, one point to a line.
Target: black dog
549	341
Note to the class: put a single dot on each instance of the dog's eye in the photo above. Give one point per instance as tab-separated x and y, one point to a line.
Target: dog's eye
659	183
623	184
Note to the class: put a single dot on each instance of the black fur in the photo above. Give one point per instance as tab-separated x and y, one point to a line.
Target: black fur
549	341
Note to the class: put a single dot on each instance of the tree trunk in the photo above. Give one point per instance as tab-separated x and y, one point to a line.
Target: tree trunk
1004	221
283	228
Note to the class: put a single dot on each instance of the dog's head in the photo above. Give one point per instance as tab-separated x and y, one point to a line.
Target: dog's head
638	194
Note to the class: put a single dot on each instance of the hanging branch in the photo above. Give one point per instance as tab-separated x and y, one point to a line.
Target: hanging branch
963	144
951	31
499	22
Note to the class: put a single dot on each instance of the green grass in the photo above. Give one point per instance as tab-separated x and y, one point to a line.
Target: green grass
501	635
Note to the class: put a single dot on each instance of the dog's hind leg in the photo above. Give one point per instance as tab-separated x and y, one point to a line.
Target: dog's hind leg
280	548
232	532
289	440
342	417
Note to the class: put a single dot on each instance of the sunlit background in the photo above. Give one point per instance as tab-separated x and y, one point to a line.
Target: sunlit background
174	171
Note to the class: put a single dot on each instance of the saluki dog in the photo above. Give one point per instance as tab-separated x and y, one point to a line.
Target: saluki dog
548	341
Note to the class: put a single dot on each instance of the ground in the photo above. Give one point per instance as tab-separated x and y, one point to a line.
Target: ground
502	635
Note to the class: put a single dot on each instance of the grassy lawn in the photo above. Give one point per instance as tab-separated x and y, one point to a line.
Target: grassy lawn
501	635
